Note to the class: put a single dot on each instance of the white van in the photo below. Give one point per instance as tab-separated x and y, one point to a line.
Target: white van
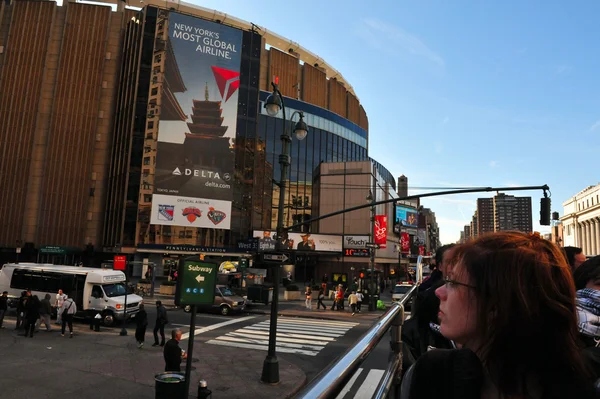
94	290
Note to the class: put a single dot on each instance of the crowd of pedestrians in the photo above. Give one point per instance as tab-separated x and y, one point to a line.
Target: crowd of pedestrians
33	312
506	315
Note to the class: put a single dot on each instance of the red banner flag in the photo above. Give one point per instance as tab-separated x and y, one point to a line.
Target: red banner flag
119	262
405	242
381	230
421	250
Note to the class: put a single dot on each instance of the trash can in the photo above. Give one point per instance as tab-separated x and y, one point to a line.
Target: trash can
260	293
169	386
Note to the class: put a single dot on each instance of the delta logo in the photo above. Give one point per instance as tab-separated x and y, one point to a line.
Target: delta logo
227	81
191	213
215	216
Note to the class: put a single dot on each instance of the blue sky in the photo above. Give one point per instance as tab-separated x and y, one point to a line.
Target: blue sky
471	93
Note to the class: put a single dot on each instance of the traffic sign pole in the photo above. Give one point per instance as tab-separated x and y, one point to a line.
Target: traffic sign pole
188	362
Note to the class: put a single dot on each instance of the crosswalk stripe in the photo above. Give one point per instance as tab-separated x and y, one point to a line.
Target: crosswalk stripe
349	384
316	333
292	336
318	322
287	335
262	347
279	339
215	326
266	342
369	385
308	328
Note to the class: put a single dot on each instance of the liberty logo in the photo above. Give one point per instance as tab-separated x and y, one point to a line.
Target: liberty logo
215	216
226	79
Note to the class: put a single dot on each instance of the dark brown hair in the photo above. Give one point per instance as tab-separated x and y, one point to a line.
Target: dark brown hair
587	271
526	312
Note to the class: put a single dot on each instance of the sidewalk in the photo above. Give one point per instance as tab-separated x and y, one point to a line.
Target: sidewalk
105	365
294	308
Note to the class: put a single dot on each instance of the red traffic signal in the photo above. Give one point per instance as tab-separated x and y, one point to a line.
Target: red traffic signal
362	275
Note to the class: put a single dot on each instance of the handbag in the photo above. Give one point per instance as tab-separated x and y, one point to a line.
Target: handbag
66	311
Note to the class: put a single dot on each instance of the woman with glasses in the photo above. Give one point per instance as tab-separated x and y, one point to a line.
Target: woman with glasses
509	302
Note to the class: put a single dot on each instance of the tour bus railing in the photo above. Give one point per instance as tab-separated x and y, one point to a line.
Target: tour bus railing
331	381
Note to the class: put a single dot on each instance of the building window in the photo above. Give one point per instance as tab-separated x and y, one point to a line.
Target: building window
151	125
154	91
146	172
146	160
147	197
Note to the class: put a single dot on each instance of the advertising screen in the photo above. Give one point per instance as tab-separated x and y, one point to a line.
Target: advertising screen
303	241
193	183
406	216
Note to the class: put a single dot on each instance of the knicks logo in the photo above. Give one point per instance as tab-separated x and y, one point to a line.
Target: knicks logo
191	213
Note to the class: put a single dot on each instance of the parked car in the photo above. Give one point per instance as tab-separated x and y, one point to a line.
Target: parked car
226	302
400	290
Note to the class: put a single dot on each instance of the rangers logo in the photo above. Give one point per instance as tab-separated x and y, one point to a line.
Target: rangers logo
191	213
215	216
166	212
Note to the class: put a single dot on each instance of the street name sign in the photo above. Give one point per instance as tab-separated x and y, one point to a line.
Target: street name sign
196	281
275	258
372	245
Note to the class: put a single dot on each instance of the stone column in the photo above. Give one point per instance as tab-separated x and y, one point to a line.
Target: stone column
588	238
597	225
592	223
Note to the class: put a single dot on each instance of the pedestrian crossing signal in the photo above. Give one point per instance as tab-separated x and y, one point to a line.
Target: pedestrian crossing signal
362	275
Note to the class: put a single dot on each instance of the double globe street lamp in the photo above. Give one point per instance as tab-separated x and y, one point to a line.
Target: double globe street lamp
274	103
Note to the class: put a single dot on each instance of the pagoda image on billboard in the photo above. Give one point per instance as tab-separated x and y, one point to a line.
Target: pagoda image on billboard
205	144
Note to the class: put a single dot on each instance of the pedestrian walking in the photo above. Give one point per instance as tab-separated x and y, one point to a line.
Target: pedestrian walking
60	299
67	312
33	314
3	307
352	301
46	312
21	310
320	300
359	300
161	322
141	321
308	301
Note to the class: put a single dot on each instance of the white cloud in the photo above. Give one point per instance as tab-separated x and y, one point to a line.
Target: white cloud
445	121
560	69
595	126
493	164
378	32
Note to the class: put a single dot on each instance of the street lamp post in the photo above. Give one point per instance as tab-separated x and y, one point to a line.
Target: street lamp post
270	372
372	289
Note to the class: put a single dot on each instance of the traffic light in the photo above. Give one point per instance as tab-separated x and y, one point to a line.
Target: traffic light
545	211
362	275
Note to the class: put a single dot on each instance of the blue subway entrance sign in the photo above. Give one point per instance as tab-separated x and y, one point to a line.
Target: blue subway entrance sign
196	282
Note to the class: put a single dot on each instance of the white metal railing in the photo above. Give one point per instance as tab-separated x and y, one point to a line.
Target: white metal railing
330	382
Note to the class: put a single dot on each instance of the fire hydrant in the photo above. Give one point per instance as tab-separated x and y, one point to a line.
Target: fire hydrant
203	391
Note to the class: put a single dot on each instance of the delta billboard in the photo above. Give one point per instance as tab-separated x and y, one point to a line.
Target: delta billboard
193	184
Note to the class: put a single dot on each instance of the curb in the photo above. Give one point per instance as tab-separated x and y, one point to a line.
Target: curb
314	316
299	388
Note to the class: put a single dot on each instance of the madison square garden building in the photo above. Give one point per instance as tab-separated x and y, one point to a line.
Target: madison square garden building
143	132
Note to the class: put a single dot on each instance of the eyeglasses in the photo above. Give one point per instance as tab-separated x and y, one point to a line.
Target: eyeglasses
453	283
